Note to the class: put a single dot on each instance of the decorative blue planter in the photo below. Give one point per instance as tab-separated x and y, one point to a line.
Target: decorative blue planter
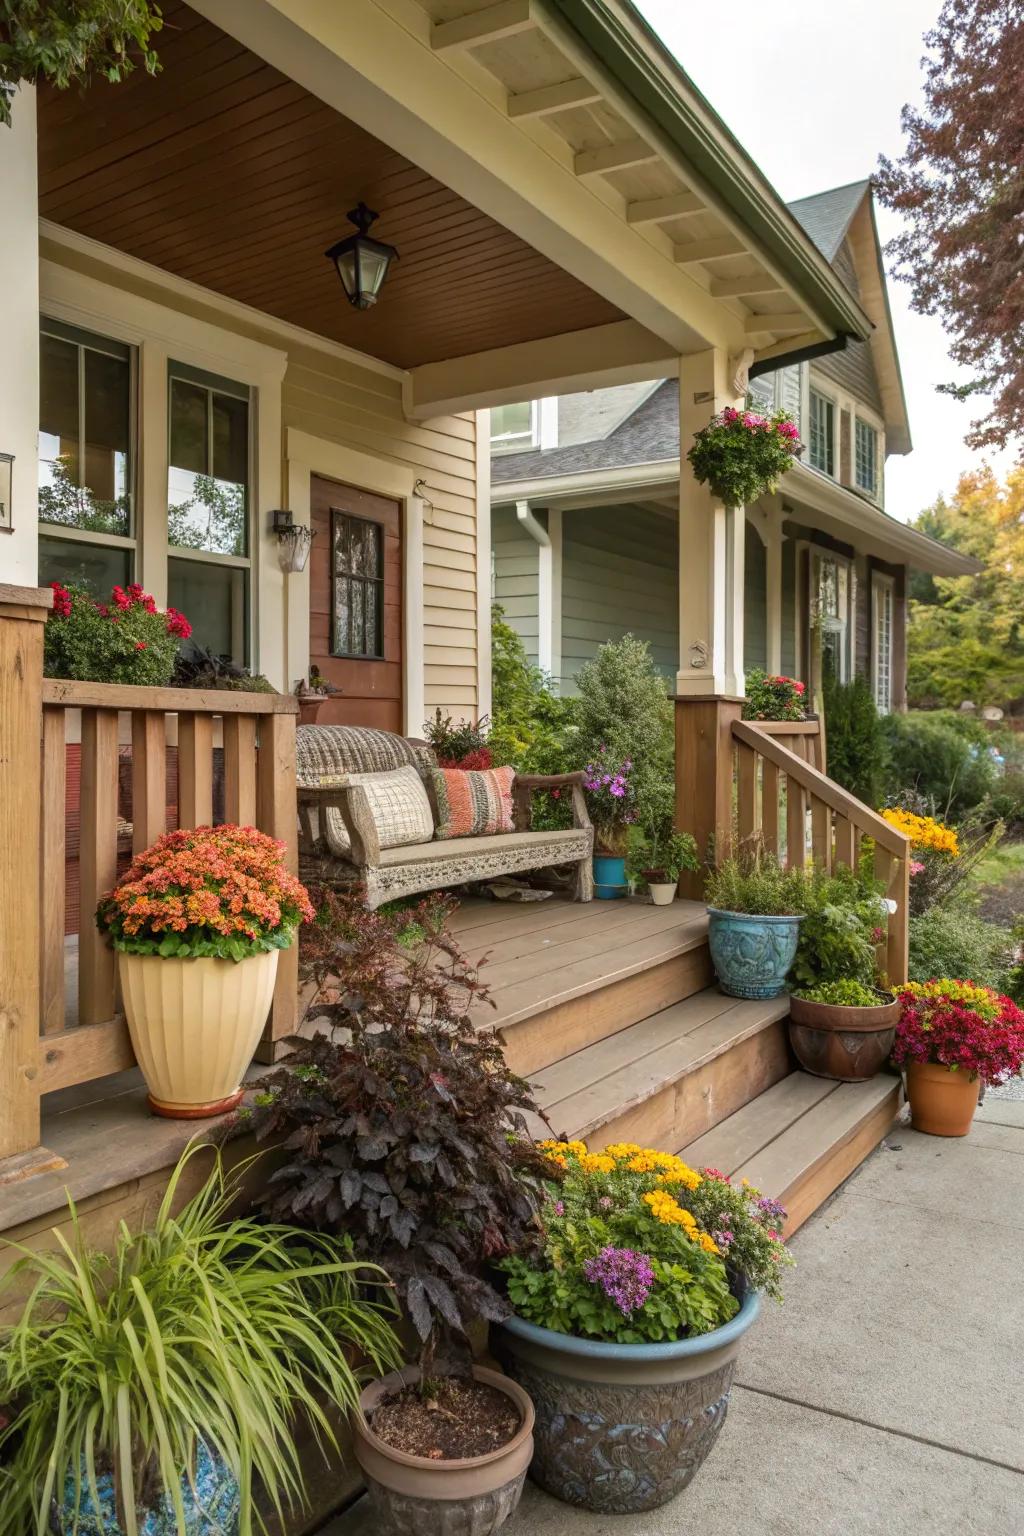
609	877
751	955
622	1428
211	1511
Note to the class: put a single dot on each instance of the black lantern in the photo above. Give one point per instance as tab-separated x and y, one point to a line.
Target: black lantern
362	262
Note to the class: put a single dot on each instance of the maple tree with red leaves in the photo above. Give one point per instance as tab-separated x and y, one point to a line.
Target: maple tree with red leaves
959	186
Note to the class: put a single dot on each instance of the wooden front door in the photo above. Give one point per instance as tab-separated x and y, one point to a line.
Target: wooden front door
355	604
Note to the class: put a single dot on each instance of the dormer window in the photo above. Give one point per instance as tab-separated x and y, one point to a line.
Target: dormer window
865	458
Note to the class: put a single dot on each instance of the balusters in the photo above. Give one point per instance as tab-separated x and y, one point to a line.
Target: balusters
98	861
51	873
240	769
821	833
149	777
846	842
195	770
770	805
746	793
275	769
796	824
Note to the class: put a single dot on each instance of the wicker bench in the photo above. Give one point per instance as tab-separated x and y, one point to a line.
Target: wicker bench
326	755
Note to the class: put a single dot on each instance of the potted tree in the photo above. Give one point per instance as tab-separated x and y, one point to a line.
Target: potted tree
197	923
148	1391
951	1037
612	803
755	908
659	858
631	1303
406	1131
842	1018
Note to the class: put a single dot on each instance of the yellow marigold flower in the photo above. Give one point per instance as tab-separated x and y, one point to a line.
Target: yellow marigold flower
923	831
708	1243
577	1148
641	1163
623	1149
597	1162
669	1211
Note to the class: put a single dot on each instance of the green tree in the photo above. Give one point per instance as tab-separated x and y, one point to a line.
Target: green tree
64	41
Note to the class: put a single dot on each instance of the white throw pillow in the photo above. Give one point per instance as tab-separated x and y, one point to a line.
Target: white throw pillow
399	805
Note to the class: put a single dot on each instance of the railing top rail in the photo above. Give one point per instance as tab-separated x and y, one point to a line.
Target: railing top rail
787	727
826	789
186	701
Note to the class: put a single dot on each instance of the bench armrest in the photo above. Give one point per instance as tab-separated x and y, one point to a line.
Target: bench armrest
525	784
352	802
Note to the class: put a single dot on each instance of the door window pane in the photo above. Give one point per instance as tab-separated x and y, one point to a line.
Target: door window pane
214	599
358	586
85	428
81	564
208	475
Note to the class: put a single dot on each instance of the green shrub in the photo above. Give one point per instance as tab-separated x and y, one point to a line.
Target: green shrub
929	755
755	882
841	994
855	742
529	722
953	940
623	711
770	697
842	923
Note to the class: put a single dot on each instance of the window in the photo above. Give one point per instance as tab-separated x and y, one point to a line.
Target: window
208	508
866	458
357	616
514	426
833	604
821	435
86	458
882	606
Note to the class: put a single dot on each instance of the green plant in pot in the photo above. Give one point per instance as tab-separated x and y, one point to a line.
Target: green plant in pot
755	908
842	1018
406	1131
659	857
631	1302
148	1390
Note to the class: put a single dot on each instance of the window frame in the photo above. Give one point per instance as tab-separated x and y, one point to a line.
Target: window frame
883	602
861	422
516	442
338	513
215	383
813	392
86	339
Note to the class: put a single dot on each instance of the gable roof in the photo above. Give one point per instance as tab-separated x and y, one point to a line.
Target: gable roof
826	216
648	435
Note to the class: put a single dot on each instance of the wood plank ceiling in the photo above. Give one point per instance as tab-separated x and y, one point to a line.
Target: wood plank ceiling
223	171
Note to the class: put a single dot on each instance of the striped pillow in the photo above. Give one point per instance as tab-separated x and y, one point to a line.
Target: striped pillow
473	804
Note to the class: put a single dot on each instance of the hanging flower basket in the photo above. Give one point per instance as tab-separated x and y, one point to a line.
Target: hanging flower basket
742	455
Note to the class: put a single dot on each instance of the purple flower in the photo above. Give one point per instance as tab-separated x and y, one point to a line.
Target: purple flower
606	1202
559	1207
771	1210
724	1239
624	1276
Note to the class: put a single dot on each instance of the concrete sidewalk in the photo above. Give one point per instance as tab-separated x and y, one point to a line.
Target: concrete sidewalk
886	1395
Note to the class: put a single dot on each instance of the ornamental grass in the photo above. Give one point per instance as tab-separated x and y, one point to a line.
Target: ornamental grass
222	892
637	1247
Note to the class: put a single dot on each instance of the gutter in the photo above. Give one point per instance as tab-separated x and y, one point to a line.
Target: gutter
545	584
633	54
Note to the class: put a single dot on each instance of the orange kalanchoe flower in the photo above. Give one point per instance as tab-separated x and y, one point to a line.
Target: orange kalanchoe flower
207	891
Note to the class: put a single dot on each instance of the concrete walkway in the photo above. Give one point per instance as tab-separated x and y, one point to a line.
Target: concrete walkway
886	1396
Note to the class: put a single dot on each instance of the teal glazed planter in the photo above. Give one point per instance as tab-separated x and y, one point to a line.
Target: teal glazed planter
622	1428
609	877
752	956
211	1507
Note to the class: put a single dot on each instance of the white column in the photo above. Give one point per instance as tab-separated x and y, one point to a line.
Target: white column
555	535
710	545
19	329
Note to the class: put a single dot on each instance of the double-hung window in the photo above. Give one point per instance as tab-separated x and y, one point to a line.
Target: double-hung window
208	508
881	641
821	433
865	457
86	458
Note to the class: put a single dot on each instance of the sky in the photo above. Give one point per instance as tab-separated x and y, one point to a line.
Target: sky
814	92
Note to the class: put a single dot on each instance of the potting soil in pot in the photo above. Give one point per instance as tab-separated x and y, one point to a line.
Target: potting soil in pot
458	1418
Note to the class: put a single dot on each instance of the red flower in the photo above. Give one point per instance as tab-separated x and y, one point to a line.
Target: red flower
140	645
61	600
177	624
120	598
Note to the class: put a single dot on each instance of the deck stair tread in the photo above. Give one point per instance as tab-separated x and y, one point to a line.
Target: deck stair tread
800	1138
584	1091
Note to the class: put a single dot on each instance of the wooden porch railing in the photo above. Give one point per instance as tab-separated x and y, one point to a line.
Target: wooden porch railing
57	1030
804	737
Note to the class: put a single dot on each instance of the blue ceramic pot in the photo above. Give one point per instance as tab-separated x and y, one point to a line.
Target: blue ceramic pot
622	1428
609	877
751	955
212	1510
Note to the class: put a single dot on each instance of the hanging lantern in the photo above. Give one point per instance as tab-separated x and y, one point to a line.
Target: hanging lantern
362	262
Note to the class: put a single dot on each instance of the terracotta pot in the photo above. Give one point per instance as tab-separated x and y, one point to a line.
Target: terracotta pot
414	1496
310	705
194	1026
663	892
846	1044
942	1102
623	1428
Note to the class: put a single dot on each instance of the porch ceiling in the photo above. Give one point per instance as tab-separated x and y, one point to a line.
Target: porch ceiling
224	171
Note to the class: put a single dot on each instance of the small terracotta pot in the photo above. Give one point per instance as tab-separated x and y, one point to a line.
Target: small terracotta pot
848	1045
414	1496
942	1102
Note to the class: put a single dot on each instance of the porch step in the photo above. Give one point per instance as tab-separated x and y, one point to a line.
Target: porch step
801	1138
671	1076
565	976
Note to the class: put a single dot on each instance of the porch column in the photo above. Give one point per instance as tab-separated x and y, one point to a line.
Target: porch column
19	328
710	544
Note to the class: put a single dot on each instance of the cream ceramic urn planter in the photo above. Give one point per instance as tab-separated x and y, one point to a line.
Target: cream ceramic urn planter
194	1026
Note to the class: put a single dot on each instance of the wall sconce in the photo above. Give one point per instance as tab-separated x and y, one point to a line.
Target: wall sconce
293	541
6	507
362	262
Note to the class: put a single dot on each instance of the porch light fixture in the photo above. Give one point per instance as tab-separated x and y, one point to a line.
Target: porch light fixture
362	262
6	475
293	541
